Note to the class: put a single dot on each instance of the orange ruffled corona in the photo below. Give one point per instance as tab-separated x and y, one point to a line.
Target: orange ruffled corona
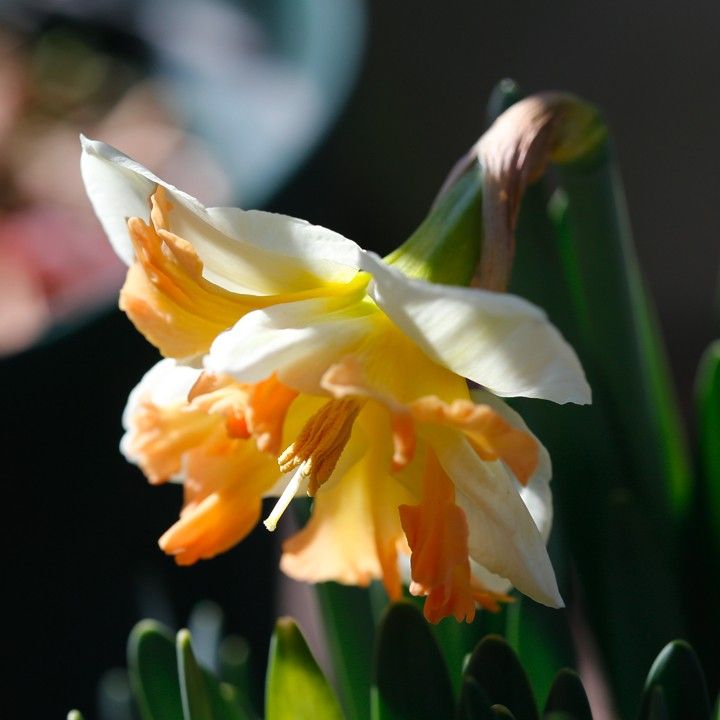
379	489
298	363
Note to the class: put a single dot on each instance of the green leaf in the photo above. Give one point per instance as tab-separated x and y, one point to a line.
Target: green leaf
497	670
457	640
702	569
203	696
540	637
622	521
678	672
196	702
348	619
474	703
567	695
708	404
226	701
153	669
234	658
500	711
620	333
75	715
348	623
411	681
655	705
296	688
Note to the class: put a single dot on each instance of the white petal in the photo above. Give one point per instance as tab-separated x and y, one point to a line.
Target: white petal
243	251
498	340
325	253
503	537
298	341
536	495
165	384
489	581
118	188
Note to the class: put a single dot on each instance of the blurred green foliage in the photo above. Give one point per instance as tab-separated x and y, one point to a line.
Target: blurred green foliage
410	681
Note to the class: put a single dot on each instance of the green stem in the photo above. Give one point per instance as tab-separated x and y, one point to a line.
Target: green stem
623	493
619	325
350	634
350	631
446	247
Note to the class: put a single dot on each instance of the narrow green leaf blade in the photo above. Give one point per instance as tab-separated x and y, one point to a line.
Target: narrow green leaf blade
540	637
678	672
296	688
708	405
620	333
226	701
567	695
411	681
204	697
457	640
196	702
349	623
655	705
234	657
348	617
153	671
497	670
622	522
474	703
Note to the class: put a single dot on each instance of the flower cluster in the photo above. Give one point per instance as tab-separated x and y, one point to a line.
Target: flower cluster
297	363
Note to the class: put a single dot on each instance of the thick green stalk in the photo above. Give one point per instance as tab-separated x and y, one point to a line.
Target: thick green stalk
708	417
446	246
703	568
623	491
622	480
350	632
618	326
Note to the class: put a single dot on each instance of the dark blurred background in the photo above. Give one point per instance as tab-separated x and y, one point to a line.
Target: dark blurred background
80	524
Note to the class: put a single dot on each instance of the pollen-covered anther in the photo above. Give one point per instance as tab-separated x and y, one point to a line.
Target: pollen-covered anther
321	442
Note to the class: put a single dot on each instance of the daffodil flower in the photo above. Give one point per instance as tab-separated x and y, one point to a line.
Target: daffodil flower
300	363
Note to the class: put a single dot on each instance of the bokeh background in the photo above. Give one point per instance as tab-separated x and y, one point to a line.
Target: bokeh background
348	114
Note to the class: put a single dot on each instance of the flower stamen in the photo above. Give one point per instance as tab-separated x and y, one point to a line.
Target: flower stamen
321	442
285	499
